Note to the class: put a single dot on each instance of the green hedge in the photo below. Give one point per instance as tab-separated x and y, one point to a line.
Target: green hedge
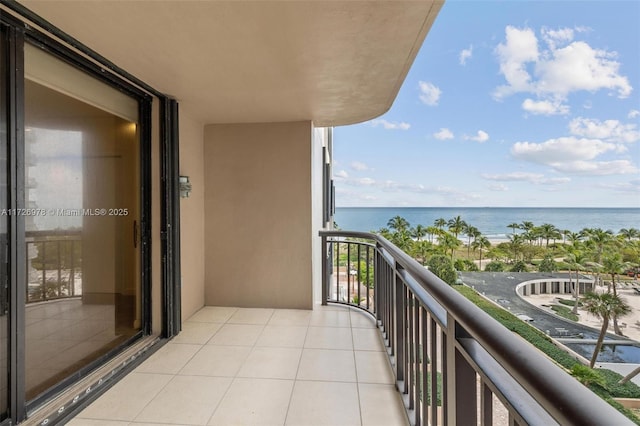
542	342
564	312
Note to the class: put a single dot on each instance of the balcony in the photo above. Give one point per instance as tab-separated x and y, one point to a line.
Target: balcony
336	365
233	366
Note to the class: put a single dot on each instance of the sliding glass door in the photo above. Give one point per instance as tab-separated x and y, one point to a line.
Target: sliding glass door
82	220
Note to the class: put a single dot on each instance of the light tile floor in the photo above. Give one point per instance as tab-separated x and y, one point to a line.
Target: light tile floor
235	366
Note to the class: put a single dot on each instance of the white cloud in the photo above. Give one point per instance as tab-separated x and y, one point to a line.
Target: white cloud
553	38
564	66
429	93
535	178
520	48
390	125
366	181
465	54
359	166
608	130
560	150
499	187
598	168
580	67
481	137
633	113
342	174
443	134
545	107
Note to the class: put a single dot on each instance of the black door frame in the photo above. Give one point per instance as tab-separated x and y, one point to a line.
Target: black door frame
18	31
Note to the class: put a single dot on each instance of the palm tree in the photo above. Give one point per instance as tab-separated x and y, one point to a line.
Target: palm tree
439	223
604	306
613	265
419	232
481	243
431	231
513	227
515	242
472	232
629	234
422	250
456	225
548	232
448	241
575	259
398	223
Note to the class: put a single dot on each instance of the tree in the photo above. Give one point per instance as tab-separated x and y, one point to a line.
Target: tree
448	242
604	306
480	244
548	232
456	225
442	266
629	234
398	223
519	266
494	266
613	265
513	227
439	223
419	232
548	264
472	232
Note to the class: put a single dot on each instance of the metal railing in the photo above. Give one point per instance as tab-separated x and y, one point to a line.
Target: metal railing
54	265
452	362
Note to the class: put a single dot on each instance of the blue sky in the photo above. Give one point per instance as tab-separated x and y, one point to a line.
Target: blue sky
508	103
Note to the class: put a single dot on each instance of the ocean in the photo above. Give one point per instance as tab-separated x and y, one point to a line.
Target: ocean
491	221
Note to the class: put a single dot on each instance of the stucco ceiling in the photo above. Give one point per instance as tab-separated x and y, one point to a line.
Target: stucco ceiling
333	62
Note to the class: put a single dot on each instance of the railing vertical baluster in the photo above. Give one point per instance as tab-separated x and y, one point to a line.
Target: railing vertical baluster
400	317
418	361
424	365
466	398
337	243
433	364
359	270
445	378
411	362
325	270
486	405
368	279
348	297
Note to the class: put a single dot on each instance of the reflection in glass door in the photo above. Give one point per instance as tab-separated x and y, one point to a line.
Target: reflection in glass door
82	220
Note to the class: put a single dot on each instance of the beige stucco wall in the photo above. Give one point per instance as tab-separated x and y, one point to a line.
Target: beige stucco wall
258	230
192	214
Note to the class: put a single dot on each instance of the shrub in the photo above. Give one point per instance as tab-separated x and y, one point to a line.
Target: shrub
519	266
548	265
494	266
442	266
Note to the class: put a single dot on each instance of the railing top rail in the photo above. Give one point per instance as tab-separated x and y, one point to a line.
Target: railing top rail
566	399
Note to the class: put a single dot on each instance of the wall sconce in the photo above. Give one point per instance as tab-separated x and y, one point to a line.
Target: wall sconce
185	187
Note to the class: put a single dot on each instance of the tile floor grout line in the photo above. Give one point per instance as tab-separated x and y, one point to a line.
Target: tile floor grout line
295	378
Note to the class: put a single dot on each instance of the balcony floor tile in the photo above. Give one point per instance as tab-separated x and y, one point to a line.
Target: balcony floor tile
234	366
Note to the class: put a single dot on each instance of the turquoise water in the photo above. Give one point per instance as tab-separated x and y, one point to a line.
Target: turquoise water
491	221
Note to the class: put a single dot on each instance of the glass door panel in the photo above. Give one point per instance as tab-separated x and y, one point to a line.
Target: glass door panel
82	216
